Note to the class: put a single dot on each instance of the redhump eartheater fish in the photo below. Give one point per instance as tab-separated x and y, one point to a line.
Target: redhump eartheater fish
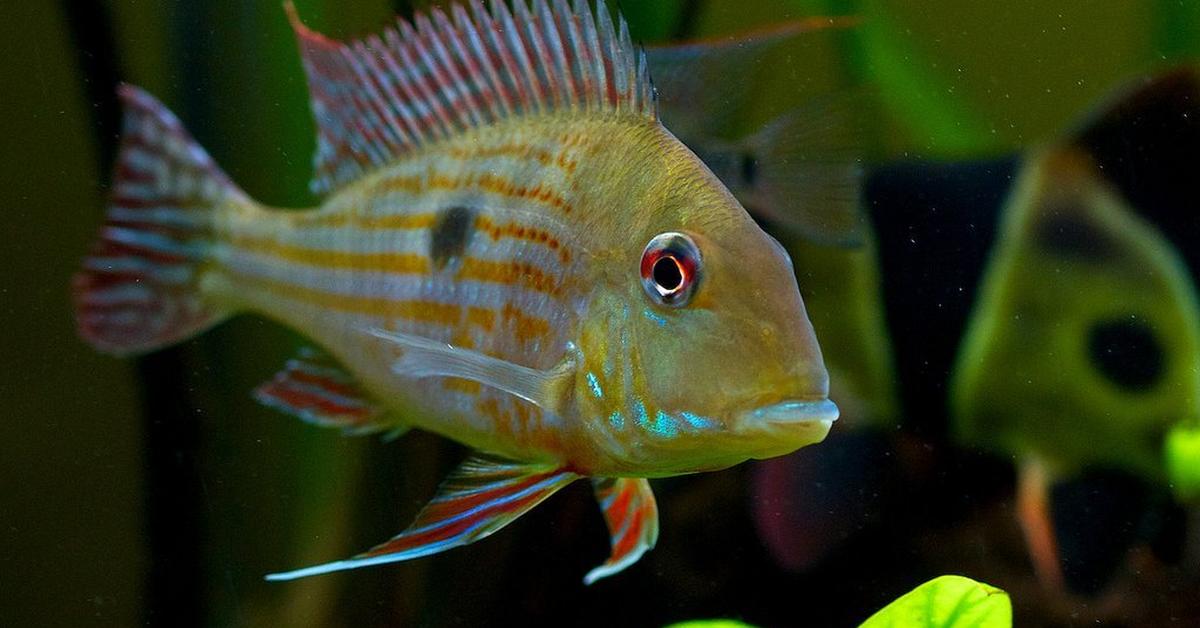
513	253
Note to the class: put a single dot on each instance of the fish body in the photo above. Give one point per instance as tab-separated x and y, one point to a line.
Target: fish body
513	253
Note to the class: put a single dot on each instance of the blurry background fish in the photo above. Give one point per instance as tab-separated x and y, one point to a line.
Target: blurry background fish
964	337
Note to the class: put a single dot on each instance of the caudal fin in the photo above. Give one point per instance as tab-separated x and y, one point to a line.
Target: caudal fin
806	172
139	288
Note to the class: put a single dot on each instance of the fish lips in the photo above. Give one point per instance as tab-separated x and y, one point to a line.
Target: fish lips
795	417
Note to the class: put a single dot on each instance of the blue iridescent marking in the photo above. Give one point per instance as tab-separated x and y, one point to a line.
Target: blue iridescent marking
664	425
639	411
696	421
594	384
655	317
617	419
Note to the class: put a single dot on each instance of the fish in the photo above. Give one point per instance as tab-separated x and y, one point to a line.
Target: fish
512	252
1082	350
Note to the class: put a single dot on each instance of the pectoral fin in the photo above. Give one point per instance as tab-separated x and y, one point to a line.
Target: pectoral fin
314	388
632	517
428	358
483	495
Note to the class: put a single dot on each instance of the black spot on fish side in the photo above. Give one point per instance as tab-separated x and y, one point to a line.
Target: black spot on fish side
1065	232
749	168
1127	353
450	235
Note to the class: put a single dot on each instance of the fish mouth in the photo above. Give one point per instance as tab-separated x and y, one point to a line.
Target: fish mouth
793	412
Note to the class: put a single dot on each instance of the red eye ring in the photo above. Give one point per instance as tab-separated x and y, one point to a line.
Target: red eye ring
670	269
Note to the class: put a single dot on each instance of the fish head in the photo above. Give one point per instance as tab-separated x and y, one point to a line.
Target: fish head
698	351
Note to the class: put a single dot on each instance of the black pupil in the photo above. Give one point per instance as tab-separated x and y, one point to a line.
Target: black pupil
667	273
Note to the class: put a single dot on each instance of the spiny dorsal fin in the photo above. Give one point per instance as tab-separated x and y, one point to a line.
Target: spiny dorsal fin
381	97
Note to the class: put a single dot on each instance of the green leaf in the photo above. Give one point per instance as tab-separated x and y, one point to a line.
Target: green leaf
947	602
1183	461
711	623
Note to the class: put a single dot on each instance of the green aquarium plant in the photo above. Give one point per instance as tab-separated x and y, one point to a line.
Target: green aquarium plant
944	602
1183	461
947	602
711	623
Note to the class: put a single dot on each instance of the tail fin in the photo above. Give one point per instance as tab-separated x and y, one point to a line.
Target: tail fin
808	171
139	288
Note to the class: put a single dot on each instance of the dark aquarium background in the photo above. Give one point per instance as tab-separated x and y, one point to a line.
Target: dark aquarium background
1024	288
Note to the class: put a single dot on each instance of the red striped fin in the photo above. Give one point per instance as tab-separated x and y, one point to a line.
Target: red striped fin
378	98
632	517
314	388
483	495
139	289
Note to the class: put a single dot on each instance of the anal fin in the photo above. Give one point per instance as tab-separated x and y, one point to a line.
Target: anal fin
483	495
632	517
315	389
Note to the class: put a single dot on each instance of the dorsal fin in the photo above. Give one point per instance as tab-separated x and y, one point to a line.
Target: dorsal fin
378	98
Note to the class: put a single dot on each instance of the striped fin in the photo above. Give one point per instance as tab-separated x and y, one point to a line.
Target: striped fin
315	389
380	97
483	495
632	517
139	289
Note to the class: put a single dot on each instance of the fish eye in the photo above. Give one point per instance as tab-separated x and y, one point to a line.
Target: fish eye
670	269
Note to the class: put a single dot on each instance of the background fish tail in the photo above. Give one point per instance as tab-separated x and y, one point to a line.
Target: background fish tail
806	171
140	286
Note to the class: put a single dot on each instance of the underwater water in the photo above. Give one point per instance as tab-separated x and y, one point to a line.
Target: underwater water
1006	307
